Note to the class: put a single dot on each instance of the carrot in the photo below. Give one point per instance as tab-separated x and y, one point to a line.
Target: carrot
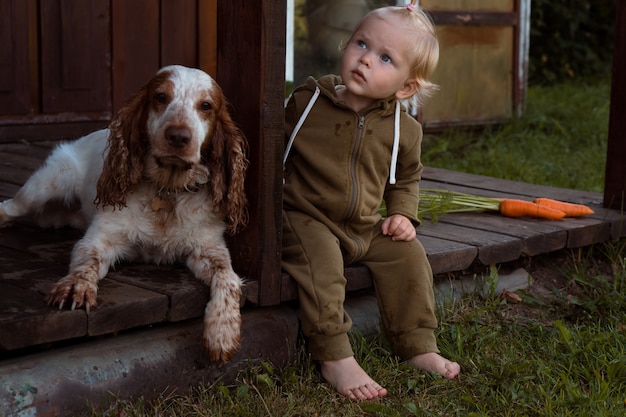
520	208
570	210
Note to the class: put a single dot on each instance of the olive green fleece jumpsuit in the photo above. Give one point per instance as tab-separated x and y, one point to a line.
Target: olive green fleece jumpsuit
336	176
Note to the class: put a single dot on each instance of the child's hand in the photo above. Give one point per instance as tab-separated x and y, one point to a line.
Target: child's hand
399	228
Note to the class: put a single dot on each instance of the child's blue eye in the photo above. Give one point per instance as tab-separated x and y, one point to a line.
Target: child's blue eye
386	58
361	44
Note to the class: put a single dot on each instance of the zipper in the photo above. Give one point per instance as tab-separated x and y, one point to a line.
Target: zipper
353	158
353	195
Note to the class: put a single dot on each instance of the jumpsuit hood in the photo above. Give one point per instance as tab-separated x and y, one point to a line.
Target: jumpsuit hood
329	86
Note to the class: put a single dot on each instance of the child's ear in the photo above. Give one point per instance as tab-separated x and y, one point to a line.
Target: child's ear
408	90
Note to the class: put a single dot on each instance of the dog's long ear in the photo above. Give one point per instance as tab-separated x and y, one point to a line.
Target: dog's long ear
227	165
126	149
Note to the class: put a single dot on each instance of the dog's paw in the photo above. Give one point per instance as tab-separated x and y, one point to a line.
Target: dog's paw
222	336
80	291
220	354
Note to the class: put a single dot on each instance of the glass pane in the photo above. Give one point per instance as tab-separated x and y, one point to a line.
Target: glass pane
319	29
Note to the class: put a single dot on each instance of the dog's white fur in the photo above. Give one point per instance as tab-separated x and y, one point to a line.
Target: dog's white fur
163	184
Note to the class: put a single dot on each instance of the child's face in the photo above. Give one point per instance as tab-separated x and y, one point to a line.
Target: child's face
376	62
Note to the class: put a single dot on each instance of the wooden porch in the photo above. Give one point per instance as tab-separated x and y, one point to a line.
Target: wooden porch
136	296
166	301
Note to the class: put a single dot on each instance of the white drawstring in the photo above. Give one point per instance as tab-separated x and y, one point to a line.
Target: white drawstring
305	113
396	144
396	135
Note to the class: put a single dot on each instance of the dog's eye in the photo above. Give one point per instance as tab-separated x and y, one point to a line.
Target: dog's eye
205	106
160	97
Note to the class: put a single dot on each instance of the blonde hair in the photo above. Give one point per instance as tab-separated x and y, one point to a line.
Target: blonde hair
425	49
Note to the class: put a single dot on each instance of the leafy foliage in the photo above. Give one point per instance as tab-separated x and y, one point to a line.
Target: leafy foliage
570	39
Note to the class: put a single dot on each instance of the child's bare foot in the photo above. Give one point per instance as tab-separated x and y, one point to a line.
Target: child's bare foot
433	362
350	380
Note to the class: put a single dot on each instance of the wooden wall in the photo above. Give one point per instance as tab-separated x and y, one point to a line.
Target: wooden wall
150	34
67	66
54	65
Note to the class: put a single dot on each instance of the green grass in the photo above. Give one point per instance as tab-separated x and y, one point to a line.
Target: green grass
561	352
559	141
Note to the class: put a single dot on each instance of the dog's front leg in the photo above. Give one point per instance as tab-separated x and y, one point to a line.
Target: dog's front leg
222	316
91	259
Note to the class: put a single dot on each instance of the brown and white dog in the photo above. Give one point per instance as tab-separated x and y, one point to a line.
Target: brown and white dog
162	184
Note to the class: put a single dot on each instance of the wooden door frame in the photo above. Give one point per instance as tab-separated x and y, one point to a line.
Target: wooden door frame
615	174
250	69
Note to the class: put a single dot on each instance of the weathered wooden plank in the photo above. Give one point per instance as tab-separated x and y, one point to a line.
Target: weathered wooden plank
512	189
492	247
56	126
25	317
26	320
48	144
38	149
122	306
52	244
23	154
21	162
446	255
7	190
536	236
146	303
617	220
585	231
13	174
187	295
581	231
26	270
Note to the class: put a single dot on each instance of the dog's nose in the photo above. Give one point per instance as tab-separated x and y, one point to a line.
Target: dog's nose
178	137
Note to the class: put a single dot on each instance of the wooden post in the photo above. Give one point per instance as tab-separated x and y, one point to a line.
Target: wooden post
615	180
250	70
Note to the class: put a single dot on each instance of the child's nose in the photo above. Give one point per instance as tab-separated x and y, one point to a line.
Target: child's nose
365	59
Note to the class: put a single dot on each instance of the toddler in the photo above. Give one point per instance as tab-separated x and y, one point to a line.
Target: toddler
352	145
